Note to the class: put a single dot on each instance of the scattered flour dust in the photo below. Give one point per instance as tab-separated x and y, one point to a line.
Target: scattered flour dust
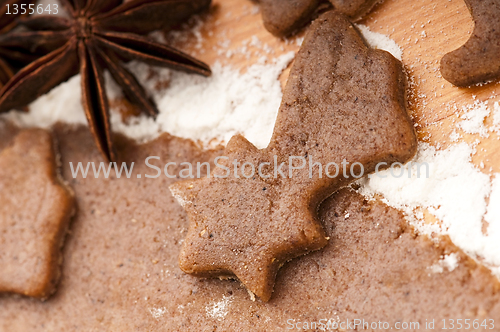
219	310
494	206
157	312
380	41
224	104
463	198
455	191
473	118
496	117
179	197
447	262
493	219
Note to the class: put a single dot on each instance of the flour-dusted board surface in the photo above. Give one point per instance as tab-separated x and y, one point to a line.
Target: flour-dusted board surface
120	269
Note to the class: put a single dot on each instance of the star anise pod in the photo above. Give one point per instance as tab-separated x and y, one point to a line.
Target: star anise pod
98	35
8	56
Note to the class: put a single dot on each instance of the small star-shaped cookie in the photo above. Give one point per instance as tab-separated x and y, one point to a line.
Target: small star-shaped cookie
478	60
354	9
35	211
343	102
283	17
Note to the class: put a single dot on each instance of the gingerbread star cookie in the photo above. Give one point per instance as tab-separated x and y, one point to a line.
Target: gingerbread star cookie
478	60
35	211
354	9
343	103
283	17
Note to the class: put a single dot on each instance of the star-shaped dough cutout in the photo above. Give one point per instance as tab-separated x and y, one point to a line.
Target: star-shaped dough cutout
35	211
478	60
354	9
343	101
283	17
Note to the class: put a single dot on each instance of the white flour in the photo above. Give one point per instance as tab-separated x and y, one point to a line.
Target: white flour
473	119
446	263
496	118
379	41
462	197
494	206
157	312
455	192
220	106
220	309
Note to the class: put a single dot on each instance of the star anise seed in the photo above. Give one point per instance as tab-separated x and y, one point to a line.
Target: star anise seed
9	58
98	35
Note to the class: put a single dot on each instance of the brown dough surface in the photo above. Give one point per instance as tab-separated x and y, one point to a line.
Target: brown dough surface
120	270
354	9
283	17
35	210
343	102
478	60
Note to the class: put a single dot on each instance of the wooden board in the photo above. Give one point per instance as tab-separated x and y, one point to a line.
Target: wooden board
424	29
